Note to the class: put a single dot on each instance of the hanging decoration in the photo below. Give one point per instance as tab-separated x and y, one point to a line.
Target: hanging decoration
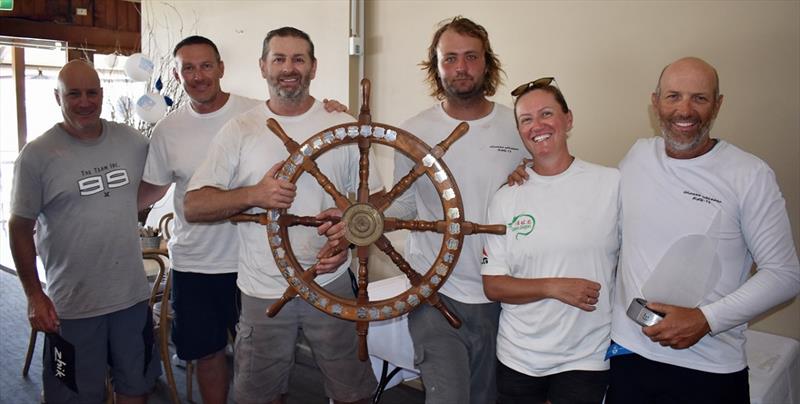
139	67
151	107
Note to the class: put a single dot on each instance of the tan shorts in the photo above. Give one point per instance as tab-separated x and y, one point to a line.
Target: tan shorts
264	351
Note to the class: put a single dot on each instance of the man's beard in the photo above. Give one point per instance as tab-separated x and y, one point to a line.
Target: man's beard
676	142
290	94
473	92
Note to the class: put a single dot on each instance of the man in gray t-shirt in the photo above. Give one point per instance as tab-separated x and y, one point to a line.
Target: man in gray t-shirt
77	185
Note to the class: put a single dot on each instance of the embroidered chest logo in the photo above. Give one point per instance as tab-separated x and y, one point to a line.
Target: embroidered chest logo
503	148
697	197
521	225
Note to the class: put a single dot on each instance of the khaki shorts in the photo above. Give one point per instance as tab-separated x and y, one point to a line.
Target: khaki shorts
265	347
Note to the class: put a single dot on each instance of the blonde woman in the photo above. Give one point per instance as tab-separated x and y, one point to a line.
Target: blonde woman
553	269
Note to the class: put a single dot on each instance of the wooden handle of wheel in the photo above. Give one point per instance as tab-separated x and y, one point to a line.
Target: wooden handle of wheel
361	330
472	228
276	307
247	217
445	144
364	117
451	318
306	276
288	142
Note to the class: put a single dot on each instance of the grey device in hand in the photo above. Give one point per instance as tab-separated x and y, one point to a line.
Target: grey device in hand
638	312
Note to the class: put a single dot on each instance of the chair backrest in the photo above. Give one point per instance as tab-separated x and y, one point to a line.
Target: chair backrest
165	225
159	279
162	316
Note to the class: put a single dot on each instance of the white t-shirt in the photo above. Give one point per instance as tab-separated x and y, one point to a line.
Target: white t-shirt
480	163
561	226
240	155
178	146
729	196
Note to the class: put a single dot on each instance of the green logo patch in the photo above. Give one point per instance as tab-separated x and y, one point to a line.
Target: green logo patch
522	225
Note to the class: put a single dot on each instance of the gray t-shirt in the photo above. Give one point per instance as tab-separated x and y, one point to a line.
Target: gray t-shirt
83	196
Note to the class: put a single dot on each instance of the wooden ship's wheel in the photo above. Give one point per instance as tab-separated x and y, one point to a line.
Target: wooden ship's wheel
365	222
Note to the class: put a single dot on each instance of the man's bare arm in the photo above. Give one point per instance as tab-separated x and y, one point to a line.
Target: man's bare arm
149	194
41	311
210	204
519	176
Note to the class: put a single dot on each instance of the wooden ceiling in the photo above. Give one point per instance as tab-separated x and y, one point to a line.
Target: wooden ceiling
107	26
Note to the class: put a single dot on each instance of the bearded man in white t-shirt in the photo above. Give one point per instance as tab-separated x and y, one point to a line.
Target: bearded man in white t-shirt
459	365
238	175
204	256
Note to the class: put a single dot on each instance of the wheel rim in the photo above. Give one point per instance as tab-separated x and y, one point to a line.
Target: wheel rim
452	236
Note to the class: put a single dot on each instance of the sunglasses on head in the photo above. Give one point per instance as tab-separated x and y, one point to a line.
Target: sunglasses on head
538	83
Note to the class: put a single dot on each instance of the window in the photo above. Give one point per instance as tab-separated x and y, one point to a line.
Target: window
41	78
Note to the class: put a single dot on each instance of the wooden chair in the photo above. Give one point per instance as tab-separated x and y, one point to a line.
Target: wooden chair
29	355
165	227
162	317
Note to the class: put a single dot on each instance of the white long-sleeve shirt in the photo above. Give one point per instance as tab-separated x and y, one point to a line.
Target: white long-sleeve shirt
732	198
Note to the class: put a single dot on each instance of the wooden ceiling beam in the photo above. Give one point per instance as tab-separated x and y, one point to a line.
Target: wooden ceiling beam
103	40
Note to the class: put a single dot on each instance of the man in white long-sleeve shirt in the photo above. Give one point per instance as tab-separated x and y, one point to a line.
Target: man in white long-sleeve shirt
682	184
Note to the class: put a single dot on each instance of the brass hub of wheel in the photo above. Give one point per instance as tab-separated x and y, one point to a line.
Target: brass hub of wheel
364	224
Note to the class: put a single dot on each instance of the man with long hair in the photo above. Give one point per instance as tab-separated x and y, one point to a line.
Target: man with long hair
462	71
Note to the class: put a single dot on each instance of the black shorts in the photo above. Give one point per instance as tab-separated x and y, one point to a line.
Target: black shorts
570	387
206	310
635	379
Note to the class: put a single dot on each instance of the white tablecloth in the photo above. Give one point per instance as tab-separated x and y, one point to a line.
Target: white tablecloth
774	363
389	340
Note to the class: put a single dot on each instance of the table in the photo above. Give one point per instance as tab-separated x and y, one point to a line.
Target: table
774	363
389	341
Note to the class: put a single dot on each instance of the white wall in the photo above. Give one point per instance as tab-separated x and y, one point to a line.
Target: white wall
239	27
606	56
